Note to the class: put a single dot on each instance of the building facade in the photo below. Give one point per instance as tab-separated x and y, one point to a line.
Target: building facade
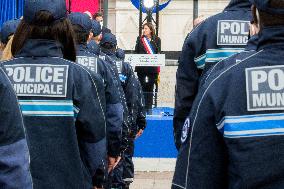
175	21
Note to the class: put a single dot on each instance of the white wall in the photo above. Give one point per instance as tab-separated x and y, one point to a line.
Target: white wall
175	21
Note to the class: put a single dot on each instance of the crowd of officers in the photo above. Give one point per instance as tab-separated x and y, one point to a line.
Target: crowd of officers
71	107
228	120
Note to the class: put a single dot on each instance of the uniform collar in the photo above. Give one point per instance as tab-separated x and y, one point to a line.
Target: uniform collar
81	47
271	37
252	43
238	5
108	52
41	48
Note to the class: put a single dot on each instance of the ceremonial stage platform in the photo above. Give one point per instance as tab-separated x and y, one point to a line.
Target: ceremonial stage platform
155	149
155	152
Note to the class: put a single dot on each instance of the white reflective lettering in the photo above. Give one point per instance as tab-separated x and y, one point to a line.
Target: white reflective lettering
224	26
19	74
235	28
258	77
58	75
276	79
259	100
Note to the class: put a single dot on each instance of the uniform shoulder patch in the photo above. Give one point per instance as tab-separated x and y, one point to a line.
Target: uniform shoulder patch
185	130
232	32
89	62
119	66
265	88
38	79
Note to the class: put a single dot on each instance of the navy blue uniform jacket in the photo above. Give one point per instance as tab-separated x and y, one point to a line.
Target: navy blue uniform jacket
128	83
14	153
63	115
114	109
218	37
234	135
126	120
141	112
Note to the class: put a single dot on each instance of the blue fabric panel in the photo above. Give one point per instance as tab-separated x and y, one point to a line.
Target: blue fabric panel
20	8
114	116
93	154
47	107
157	140
14	166
253	125
10	9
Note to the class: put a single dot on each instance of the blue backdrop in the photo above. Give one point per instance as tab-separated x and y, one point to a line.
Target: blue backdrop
10	9
157	140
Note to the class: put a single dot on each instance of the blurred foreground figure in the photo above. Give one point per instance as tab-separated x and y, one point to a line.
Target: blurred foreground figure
82	26
60	100
7	32
14	153
233	137
216	38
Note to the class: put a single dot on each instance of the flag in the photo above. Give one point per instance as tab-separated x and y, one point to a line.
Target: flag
83	5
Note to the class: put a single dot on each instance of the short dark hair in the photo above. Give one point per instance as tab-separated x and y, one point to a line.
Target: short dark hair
108	46
267	19
81	36
98	14
45	27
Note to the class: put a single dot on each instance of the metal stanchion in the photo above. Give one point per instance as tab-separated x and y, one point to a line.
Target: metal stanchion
195	9
105	13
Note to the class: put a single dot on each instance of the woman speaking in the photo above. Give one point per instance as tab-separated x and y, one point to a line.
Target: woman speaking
148	43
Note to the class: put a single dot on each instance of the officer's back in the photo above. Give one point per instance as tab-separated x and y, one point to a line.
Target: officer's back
216	38
233	137
60	100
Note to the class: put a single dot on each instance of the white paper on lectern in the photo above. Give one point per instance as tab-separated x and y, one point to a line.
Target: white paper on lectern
155	60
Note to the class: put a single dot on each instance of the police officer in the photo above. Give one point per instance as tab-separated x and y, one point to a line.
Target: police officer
126	74
127	78
141	111
14	153
94	48
61	101
120	54
100	19
138	127
237	140
249	50
141	117
218	37
114	110
127	120
8	29
96	31
7	32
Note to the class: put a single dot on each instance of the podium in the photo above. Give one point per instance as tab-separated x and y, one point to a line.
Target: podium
155	60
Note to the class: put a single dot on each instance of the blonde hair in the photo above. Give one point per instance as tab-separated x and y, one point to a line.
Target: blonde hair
7	53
